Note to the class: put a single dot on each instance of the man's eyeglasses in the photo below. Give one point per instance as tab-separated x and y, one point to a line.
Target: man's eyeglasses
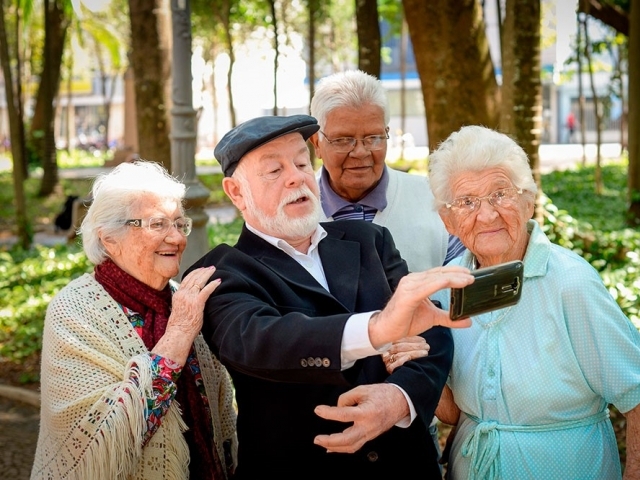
347	144
505	197
161	225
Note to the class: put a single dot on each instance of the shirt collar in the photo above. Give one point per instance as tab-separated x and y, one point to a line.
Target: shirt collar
332	202
280	244
536	257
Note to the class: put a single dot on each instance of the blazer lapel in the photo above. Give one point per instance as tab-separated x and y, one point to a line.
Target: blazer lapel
282	264
341	264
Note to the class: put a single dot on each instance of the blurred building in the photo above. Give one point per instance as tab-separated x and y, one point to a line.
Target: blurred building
81	120
560	86
80	112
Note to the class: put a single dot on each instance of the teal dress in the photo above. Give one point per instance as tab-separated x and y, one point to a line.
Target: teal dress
533	381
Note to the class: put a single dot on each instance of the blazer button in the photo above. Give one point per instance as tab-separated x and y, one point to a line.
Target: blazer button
310	361
318	362
372	456
326	362
303	362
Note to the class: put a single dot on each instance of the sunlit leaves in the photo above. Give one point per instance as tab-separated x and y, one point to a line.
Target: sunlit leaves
29	279
593	226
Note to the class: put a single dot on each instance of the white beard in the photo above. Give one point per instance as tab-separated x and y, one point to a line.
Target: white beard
281	225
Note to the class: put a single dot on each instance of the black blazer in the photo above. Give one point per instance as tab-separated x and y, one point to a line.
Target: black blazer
279	333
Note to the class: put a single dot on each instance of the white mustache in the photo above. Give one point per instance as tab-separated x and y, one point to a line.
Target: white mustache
303	191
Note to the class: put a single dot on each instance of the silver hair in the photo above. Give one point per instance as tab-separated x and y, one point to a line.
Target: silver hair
352	88
474	149
240	174
113	198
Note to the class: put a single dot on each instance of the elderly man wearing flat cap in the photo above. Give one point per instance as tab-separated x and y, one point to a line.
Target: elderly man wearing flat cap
303	314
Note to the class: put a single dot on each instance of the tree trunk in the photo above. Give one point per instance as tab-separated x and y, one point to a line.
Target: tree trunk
107	91
619	73
214	98
108	101
404	41
16	132
149	58
19	79
454	63
633	137
67	133
596	108
581	122
500	27
521	84
232	61
274	19
42	134
369	41
314	9
223	13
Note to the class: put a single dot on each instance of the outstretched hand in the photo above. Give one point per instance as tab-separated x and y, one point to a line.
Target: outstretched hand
410	312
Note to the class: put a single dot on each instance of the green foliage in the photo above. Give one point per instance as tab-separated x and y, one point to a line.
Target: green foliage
31	278
595	229
416	166
574	191
78	158
224	232
214	183
392	13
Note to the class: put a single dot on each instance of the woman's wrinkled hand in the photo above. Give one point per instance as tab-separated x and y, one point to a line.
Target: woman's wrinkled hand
187	305
405	349
187	313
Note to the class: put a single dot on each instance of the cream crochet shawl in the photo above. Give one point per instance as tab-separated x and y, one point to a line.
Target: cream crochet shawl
94	398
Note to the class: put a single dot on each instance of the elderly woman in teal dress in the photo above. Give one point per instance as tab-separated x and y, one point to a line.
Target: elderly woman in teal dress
530	384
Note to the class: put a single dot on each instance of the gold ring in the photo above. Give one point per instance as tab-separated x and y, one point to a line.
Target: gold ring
198	287
392	357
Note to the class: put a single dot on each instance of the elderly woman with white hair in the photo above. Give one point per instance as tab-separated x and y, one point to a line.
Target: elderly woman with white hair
129	387
530	384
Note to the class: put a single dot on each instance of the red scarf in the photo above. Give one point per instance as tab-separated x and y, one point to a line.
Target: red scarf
154	306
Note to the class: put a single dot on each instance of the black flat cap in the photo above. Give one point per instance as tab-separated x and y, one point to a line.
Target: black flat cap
254	133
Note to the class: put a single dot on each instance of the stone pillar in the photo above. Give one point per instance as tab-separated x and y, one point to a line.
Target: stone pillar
183	134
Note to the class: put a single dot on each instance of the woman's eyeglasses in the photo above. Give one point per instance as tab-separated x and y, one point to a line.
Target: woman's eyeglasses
505	197
161	225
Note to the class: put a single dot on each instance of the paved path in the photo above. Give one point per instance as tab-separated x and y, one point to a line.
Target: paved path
19	423
91	172
564	156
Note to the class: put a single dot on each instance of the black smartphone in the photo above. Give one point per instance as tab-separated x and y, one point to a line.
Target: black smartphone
495	287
